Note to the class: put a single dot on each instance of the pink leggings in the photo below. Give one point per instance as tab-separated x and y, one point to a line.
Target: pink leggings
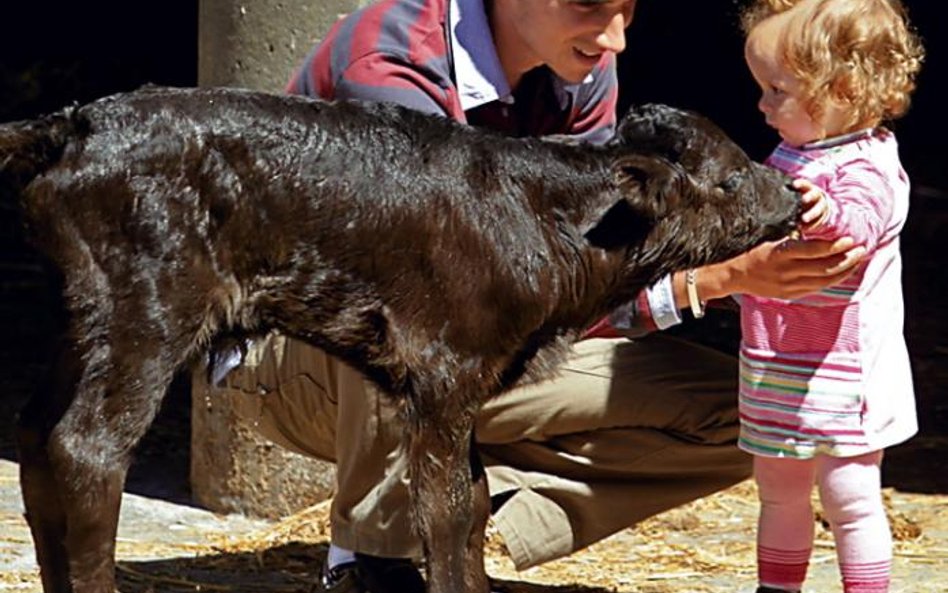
850	491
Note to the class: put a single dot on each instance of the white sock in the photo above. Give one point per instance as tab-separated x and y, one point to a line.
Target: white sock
339	556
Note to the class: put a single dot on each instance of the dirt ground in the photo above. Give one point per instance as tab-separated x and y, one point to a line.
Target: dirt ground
703	547
167	546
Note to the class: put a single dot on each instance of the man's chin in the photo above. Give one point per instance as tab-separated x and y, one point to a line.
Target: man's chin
573	75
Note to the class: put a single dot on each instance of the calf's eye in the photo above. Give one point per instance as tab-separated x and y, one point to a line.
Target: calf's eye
731	184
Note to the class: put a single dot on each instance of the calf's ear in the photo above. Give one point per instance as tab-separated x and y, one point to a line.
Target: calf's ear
619	226
648	185
648	182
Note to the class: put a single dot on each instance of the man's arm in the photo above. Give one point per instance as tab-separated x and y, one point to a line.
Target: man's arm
374	77
784	269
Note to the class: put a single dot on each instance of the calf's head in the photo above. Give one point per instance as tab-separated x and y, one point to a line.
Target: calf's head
701	197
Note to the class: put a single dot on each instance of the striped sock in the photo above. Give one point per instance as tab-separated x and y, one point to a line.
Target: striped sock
869	577
782	569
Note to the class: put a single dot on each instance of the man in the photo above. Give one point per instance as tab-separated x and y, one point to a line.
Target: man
629	428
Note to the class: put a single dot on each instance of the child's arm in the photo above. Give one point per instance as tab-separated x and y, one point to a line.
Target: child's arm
814	207
858	203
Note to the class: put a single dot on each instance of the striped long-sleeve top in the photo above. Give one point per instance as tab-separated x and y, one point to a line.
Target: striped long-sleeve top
829	373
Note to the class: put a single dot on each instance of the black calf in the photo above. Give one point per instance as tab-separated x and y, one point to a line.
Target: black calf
445	263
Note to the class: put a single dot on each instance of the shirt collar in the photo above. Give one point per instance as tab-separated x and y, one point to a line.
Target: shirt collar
838	140
477	71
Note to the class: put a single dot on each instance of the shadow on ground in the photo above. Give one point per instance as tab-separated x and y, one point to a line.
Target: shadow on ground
288	568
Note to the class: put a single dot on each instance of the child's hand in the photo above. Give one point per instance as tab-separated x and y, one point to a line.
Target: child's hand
815	205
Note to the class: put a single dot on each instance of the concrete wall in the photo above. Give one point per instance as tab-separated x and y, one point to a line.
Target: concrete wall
253	45
257	44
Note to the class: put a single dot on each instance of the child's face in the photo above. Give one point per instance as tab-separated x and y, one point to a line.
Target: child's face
781	98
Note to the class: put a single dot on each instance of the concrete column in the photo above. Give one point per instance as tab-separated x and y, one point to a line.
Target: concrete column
253	45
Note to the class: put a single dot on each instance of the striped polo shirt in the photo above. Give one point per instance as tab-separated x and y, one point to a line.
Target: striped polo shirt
829	372
438	56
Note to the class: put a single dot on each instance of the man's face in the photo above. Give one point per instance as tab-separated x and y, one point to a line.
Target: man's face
571	36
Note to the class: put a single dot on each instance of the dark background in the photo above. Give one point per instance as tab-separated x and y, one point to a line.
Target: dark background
686	53
691	54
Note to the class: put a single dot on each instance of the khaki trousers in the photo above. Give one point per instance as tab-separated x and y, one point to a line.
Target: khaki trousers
626	430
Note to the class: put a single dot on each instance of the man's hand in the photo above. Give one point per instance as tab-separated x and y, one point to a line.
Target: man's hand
814	205
785	269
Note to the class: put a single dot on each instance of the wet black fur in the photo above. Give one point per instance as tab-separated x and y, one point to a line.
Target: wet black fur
445	263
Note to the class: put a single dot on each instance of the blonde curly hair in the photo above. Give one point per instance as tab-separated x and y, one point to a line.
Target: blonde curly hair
862	54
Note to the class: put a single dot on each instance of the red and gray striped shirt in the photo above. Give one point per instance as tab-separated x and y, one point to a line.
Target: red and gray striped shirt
437	56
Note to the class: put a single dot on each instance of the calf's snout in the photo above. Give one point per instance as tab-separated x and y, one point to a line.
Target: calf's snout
780	205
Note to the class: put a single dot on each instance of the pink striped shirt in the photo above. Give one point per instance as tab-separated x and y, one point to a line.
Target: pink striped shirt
829	373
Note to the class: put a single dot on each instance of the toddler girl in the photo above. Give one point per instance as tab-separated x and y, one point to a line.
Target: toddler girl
825	380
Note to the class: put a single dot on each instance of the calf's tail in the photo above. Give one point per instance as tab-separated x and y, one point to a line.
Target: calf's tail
30	147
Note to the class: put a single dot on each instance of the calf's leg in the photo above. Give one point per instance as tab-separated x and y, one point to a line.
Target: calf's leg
475	577
83	457
443	500
44	509
42	497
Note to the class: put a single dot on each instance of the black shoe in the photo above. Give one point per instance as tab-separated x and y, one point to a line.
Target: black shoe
389	575
339	579
371	574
